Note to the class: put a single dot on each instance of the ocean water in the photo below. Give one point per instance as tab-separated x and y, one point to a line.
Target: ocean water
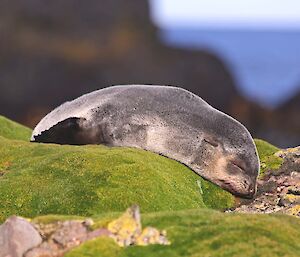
264	64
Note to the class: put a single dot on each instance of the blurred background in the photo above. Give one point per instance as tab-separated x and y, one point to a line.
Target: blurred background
242	57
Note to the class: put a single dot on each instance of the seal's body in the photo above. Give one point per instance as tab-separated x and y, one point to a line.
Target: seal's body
166	120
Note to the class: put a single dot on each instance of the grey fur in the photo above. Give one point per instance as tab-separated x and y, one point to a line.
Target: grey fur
163	119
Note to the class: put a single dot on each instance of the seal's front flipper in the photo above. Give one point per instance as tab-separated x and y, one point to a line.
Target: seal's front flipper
71	131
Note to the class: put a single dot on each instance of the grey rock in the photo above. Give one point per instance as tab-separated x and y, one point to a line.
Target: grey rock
60	237
17	236
71	234
99	232
43	251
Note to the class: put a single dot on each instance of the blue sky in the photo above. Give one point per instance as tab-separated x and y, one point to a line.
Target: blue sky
227	13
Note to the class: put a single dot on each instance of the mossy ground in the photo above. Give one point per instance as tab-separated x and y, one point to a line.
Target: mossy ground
203	232
268	161
97	181
38	179
12	130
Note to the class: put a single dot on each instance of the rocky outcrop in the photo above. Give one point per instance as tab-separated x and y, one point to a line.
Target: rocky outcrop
20	238
17	236
278	190
60	237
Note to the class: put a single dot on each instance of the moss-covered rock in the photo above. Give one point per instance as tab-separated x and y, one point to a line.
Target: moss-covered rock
205	232
98	182
39	179
268	159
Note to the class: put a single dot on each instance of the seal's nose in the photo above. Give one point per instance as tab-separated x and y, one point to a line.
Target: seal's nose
252	189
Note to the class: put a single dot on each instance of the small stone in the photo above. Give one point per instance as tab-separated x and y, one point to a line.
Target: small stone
288	199
152	236
260	206
295	211
277	209
294	189
17	236
88	223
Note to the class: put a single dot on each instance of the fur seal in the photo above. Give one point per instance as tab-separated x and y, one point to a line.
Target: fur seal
170	121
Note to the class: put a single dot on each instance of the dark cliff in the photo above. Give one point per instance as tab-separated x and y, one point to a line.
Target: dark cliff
53	51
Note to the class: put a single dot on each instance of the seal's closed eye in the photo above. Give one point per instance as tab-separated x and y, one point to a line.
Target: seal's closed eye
239	164
211	141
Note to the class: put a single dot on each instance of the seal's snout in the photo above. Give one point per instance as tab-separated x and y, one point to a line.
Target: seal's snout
249	188
247	194
252	191
245	173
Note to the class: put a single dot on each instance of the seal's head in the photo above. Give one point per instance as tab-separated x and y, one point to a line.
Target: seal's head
227	155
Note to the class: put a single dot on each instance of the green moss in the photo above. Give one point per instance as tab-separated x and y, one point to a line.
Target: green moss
99	182
268	159
100	247
38	179
46	219
208	233
13	130
44	179
213	196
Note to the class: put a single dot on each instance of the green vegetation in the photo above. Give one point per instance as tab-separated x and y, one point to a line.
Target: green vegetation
103	246
100	182
38	179
205	232
13	130
268	161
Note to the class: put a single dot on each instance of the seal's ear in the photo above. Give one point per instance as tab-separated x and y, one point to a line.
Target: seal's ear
70	132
